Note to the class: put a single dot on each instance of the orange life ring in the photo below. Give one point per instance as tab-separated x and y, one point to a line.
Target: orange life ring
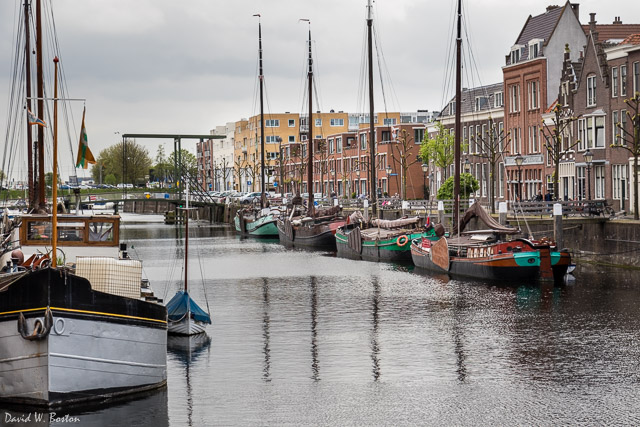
402	240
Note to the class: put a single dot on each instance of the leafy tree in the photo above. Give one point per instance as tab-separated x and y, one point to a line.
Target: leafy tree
162	167
630	141
468	185
440	148
127	161
111	179
189	161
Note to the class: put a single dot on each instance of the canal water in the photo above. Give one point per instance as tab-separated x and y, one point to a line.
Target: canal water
306	338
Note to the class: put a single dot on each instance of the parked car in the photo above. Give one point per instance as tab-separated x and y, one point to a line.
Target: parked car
250	197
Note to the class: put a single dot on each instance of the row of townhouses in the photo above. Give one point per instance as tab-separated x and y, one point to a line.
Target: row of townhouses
559	75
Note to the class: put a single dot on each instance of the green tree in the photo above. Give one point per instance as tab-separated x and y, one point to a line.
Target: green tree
468	185
440	148
111	179
162	167
127	161
189	161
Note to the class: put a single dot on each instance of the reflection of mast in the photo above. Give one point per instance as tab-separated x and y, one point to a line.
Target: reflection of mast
375	349
457	339
189	397
266	371
315	369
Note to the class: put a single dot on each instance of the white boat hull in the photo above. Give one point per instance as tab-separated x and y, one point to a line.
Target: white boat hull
186	326
80	359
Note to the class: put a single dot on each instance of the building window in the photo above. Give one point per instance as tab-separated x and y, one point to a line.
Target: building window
389	122
580	173
363	141
636	77
535	48
481	102
619	177
339	144
318	123
272	123
498	100
533	139
418	135
614	126
514	95
331	146
614	81
599	174
623	125
599	132
591	91
292	123
501	180
271	139
452	108
623	80
533	94
337	122
516	53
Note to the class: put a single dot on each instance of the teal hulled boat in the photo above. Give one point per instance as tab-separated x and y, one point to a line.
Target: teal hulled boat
381	240
257	222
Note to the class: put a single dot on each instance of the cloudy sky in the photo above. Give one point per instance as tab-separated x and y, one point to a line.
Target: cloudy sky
166	66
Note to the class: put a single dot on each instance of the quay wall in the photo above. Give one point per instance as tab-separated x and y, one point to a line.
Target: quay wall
596	240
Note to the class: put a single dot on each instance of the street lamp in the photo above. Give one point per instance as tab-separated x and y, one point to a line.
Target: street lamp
519	160
467	166
588	158
425	168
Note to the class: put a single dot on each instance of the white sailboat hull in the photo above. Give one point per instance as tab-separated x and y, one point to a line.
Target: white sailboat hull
186	326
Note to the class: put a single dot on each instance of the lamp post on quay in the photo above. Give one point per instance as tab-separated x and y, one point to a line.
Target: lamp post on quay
588	159
519	160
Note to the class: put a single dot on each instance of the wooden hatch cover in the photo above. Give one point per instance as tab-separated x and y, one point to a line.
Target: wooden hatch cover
440	253
354	240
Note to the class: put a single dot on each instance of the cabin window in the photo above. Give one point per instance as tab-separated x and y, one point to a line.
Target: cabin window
71	231
39	230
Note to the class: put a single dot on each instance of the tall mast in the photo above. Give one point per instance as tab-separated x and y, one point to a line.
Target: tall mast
261	78
186	239
458	102
310	142
41	188
372	132
54	194
27	58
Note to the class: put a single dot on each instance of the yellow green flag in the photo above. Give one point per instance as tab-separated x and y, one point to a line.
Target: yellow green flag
84	154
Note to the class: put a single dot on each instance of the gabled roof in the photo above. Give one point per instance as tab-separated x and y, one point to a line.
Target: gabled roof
469	99
616	31
632	39
540	27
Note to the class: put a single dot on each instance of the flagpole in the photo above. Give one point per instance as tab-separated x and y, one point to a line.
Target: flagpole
54	184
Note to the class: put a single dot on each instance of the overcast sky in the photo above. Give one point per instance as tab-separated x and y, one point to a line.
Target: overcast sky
166	66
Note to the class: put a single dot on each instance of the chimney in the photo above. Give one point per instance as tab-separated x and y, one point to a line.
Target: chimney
576	10
617	21
552	7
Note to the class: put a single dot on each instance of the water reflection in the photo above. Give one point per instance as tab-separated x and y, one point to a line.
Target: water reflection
315	370
266	370
187	349
375	347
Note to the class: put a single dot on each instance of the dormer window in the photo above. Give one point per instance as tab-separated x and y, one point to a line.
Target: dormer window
516	53
498	100
481	102
452	108
535	48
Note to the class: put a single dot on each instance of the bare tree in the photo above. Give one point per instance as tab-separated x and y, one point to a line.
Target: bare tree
557	139
492	147
402	154
630	141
